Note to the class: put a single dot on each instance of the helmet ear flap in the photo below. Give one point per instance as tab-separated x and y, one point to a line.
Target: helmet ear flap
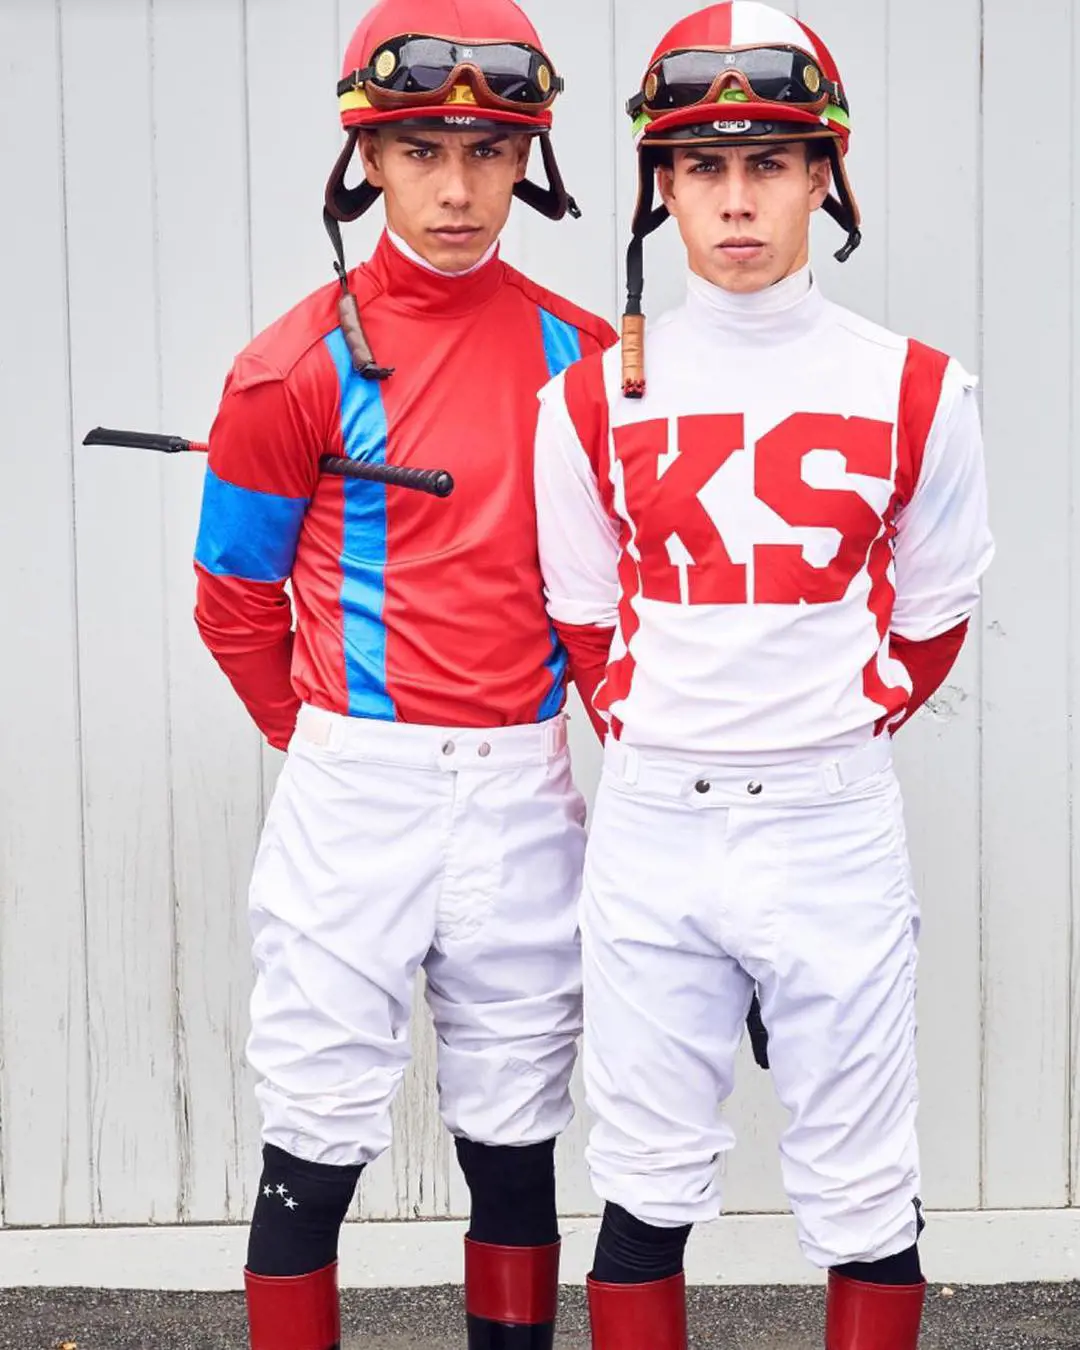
348	203
553	201
843	207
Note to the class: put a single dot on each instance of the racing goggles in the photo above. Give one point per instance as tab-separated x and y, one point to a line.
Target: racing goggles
415	70
786	75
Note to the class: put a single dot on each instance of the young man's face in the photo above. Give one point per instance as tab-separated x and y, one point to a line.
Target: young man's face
448	193
744	211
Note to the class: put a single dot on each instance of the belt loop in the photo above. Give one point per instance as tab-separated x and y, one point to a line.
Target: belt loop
631	764
834	778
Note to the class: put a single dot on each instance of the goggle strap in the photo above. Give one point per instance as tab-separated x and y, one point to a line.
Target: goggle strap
352	83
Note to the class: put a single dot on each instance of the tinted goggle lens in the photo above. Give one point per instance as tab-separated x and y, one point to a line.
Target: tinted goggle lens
420	65
684	79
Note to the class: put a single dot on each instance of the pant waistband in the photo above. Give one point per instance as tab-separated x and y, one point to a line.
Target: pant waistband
449	748
711	781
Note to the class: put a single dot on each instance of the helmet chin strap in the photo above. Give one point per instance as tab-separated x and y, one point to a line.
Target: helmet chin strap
553	201
842	207
345	203
647	218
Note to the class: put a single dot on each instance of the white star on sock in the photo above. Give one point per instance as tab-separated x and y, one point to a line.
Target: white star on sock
283	1190
268	1191
290	1203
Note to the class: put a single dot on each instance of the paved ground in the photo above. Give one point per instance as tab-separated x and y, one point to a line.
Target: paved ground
1014	1317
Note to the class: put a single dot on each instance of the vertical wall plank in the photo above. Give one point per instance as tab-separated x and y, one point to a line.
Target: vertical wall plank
203	267
933	294
114	343
44	1147
1026	781
856	32
574	257
1074	669
293	70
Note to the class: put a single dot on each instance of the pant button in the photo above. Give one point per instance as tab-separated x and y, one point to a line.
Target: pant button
448	747
484	750
702	785
754	789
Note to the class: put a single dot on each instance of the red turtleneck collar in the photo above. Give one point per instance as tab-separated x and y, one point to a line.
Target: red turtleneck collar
420	291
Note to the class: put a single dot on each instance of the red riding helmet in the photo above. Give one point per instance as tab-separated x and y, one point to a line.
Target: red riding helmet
461	65
464	65
736	73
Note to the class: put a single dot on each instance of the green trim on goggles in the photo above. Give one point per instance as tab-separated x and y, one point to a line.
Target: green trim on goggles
832	113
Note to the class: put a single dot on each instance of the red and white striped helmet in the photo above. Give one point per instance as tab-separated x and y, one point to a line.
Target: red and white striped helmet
744	26
737	73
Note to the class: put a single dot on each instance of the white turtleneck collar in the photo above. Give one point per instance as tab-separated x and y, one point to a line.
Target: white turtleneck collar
783	312
407	251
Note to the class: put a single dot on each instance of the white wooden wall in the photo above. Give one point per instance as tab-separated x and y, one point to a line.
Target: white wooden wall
161	170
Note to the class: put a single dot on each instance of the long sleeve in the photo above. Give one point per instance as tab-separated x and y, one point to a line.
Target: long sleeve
579	541
943	542
262	470
587	650
578	537
927	663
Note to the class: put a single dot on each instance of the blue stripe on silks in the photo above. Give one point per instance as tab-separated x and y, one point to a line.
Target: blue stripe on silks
363	556
556	664
562	343
562	347
247	534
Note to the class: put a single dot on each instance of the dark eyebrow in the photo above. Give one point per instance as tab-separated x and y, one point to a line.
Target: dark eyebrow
771	152
703	155
489	142
420	143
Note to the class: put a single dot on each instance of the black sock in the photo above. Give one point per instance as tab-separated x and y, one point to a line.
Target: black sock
629	1251
298	1214
903	1268
512	1192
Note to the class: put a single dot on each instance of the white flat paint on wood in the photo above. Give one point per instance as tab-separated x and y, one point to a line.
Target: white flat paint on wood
115	316
933	294
163	231
1031	442
44	1115
1074	674
961	1247
215	750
